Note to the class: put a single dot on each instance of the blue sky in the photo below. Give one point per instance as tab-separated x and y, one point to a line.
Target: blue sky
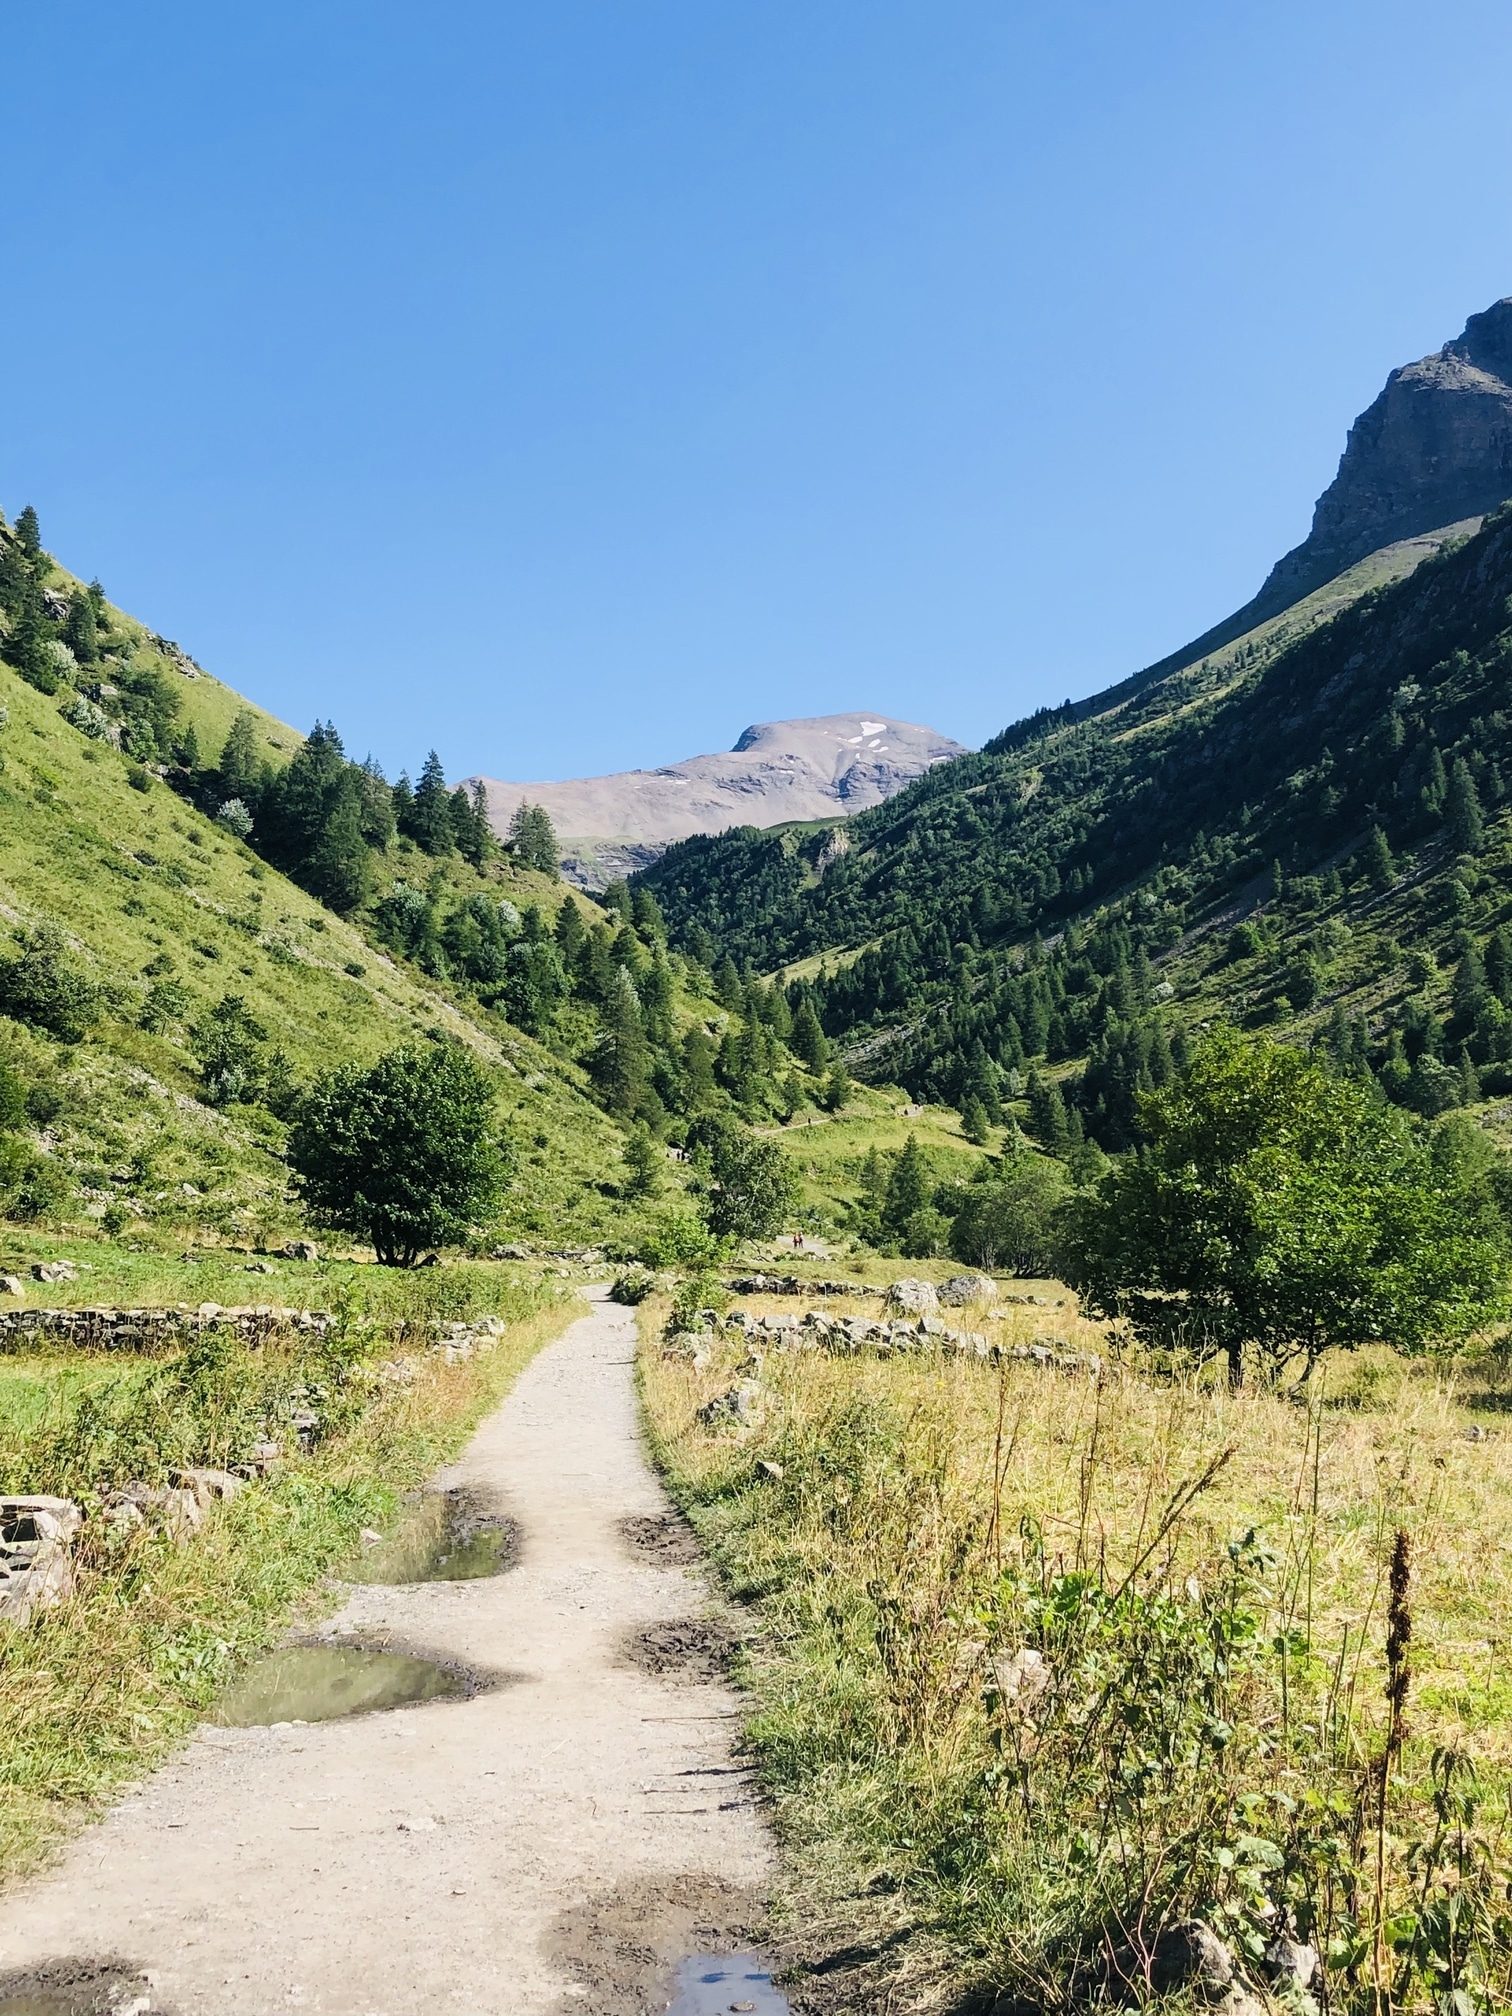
567	386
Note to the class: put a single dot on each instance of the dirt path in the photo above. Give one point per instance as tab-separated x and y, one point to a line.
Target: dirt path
549	1845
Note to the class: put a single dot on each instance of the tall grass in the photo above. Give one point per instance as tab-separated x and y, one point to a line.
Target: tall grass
1059	1663
97	1690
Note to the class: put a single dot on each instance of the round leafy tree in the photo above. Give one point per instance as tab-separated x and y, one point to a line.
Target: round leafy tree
401	1153
1281	1208
750	1186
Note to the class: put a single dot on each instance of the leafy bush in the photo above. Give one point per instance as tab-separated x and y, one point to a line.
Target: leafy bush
1011	1218
632	1287
403	1153
41	985
1281	1207
235	817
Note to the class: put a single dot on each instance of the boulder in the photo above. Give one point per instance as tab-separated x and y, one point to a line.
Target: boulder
1190	1955
1291	1964
55	1270
963	1288
301	1249
35	1570
912	1297
12	1284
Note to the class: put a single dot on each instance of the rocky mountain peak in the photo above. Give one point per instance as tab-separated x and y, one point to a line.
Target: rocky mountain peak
1433	450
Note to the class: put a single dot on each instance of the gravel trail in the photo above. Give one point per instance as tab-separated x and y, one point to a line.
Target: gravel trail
553	1843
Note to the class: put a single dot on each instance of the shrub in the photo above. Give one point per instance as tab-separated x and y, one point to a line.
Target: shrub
235	817
1281	1207
42	986
1012	1218
403	1153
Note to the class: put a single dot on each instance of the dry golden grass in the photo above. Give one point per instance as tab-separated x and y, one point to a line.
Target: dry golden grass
882	1578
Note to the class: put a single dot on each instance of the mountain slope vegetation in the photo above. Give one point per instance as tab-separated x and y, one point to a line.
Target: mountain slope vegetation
1053	897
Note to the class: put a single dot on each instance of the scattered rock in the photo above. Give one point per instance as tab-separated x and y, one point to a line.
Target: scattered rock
771	1473
1291	1964
510	1253
1190	1954
54	1271
209	1486
258	1267
739	1408
301	1249
913	1297
35	1571
12	1284
963	1288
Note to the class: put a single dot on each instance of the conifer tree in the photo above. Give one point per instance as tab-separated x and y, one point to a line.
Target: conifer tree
698	1070
909	1187
81	631
240	768
1047	1111
430	816
29	533
808	1039
1380	867
837	1087
569	931
340	867
533	838
645	1161
1462	810
727	988
623	1064
974	1125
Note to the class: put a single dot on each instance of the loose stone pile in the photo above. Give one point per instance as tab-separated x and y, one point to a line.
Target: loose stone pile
794	1284
845	1335
101	1329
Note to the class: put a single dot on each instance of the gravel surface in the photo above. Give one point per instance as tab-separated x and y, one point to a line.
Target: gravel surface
551	1844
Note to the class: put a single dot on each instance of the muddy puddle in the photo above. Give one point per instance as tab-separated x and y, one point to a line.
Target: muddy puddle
319	1683
443	1536
709	1984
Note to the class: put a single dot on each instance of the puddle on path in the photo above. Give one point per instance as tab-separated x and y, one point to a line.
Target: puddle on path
443	1536
318	1683
709	1984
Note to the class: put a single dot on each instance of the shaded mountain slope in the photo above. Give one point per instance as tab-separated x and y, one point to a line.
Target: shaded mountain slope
1135	831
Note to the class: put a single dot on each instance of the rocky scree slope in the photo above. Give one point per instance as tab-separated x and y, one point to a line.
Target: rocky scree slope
778	771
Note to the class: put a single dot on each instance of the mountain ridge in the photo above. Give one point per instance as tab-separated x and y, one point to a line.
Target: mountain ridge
778	772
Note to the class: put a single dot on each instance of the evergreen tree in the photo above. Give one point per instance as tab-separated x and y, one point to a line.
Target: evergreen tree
727	988
808	1040
533	838
430	816
80	630
240	768
1462	810
616	901
623	1063
910	1186
376	802
837	1087
645	1161
402	801
646	916
1380	867
187	750
569	931
1047	1113
1499	966
981	1084
339	870
29	533
974	1124
697	1071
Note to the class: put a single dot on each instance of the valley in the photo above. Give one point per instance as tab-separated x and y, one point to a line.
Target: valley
947	1309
